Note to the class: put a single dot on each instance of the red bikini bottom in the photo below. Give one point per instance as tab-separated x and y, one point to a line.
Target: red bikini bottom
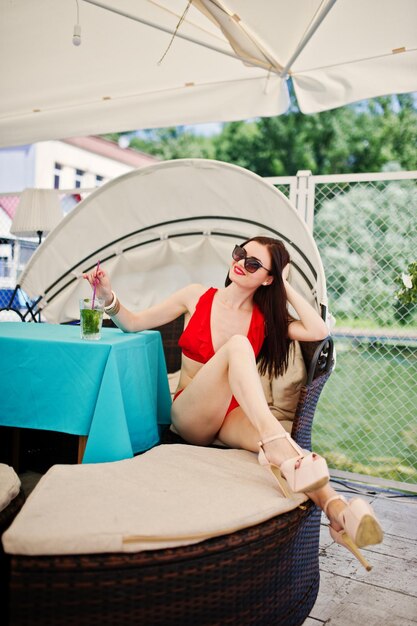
233	402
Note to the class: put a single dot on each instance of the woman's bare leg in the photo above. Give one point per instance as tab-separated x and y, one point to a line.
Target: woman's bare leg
198	413
320	497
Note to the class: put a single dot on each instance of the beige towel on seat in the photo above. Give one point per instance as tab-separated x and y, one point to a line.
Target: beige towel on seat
170	496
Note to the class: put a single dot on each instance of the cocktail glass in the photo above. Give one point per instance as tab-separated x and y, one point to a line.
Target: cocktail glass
91	318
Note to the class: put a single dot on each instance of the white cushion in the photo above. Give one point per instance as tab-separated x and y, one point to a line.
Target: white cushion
9	485
282	393
170	496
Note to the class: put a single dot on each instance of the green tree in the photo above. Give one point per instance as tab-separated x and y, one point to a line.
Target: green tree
237	143
355	138
362	137
170	143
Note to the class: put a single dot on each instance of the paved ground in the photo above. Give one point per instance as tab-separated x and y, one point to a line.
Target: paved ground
386	596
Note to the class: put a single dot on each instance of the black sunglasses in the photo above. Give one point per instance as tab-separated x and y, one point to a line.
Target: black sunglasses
251	263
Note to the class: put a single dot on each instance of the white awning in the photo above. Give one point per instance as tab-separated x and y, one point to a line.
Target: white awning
229	60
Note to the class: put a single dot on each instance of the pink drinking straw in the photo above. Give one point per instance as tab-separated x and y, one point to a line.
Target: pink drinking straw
95	284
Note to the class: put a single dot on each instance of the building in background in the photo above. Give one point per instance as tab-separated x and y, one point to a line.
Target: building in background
77	164
66	164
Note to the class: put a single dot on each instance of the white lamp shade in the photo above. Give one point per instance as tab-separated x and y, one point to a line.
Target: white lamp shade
38	211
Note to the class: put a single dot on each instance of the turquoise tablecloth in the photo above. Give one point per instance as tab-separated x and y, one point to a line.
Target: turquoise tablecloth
114	390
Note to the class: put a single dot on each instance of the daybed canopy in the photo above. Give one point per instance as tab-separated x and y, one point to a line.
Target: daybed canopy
161	227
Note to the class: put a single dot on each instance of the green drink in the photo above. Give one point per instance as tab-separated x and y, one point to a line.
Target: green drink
91	319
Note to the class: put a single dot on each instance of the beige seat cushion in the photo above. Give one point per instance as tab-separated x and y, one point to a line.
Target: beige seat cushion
9	485
282	393
170	496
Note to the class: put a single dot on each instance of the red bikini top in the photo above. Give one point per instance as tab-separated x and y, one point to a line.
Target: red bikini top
196	342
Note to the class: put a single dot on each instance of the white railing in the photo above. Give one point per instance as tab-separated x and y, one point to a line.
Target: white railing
300	189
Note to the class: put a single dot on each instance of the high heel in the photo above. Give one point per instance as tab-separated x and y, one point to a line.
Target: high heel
300	474
360	527
342	538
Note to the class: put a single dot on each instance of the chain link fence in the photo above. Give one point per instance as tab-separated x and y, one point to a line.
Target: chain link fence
365	229
366	233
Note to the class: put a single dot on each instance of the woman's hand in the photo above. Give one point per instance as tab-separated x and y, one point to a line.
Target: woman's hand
101	281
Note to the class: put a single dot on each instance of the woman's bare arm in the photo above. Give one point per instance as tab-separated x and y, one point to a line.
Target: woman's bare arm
310	326
169	309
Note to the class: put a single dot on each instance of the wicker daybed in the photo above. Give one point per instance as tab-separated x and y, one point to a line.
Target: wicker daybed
267	574
264	574
177	222
12	498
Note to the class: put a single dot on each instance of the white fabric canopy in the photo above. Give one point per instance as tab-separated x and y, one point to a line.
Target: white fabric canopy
162	227
229	60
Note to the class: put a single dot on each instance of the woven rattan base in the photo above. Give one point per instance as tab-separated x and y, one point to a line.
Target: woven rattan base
7	515
266	574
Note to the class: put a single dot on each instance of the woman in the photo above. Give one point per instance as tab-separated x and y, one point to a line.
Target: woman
228	334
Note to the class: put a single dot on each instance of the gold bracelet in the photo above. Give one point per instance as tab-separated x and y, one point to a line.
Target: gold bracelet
114	307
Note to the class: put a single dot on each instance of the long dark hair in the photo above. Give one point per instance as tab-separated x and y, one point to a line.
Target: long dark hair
272	301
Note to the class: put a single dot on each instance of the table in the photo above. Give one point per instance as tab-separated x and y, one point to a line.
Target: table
114	391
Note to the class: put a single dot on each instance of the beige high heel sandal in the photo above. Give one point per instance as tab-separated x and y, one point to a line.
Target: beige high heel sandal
300	474
360	527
